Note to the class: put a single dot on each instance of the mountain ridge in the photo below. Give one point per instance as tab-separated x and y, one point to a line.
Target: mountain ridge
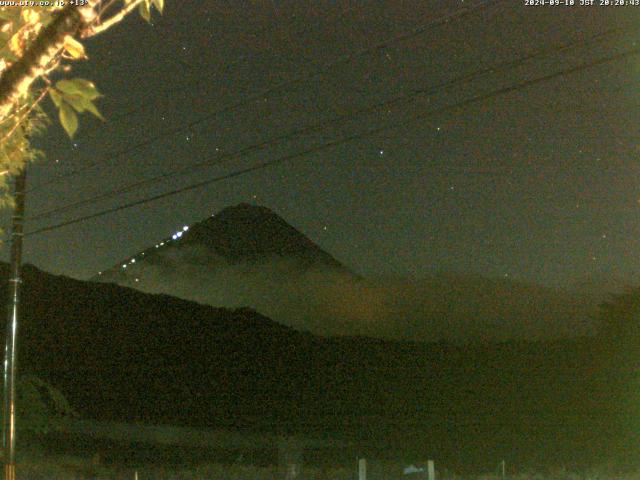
240	234
249	256
119	354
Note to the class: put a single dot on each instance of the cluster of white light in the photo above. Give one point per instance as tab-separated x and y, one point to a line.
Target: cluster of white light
179	233
175	236
124	265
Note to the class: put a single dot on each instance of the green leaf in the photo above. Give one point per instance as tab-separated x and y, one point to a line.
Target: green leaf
15	45
68	119
91	108
159	4
56	97
74	48
79	86
82	104
145	10
76	101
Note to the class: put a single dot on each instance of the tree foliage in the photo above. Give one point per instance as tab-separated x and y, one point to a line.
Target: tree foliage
38	46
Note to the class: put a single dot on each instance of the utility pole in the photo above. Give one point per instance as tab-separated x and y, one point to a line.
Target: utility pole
9	419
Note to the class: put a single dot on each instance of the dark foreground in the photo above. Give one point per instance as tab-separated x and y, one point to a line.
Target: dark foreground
125	356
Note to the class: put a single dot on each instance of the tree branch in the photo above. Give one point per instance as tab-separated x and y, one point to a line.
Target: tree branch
17	79
114	19
26	114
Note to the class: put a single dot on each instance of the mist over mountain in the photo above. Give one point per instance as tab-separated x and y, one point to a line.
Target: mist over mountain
248	256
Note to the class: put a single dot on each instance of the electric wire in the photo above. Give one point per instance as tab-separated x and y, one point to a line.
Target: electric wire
319	126
348	138
460	13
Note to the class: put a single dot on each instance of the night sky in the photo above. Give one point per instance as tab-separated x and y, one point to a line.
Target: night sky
541	184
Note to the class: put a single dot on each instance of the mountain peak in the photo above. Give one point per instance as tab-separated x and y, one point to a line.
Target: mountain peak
247	233
246	209
240	234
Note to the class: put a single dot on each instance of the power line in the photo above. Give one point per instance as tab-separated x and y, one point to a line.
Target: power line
349	138
398	100
460	13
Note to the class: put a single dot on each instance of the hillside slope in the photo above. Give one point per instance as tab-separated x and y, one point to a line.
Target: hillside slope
119	354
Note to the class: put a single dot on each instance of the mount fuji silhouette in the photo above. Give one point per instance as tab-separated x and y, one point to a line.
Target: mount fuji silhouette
249	256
